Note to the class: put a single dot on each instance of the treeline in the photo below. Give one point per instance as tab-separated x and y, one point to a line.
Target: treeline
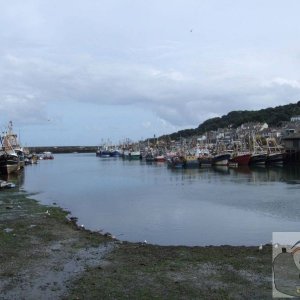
272	116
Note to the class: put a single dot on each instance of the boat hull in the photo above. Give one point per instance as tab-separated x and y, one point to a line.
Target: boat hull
258	159
205	161
241	159
115	154
103	154
193	163
160	158
149	158
9	164
221	160
275	158
176	162
134	155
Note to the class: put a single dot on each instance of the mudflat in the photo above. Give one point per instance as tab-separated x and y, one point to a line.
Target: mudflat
45	254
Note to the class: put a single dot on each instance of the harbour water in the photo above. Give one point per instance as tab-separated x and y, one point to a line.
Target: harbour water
137	201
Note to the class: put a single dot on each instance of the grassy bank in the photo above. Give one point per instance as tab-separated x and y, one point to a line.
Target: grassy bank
46	255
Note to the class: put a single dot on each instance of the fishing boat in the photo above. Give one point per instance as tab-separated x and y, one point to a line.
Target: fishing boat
149	157
9	162
160	158
221	159
204	156
191	161
132	155
12	156
258	158
47	155
115	153
176	162
103	152
275	154
205	160
240	158
275	158
258	155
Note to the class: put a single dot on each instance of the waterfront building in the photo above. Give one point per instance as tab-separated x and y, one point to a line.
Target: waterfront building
292	147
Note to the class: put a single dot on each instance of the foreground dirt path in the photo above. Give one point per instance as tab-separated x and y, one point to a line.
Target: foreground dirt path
45	255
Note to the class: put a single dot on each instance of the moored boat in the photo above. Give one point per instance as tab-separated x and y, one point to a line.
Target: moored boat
47	155
11	146
275	158
221	159
240	158
149	157
191	161
9	162
176	162
160	158
132	155
275	153
21	156
258	158
258	155
102	152
115	153
205	160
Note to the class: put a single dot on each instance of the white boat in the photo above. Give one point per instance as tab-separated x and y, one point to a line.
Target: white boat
130	154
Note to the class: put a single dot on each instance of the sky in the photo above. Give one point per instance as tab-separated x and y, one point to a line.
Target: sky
76	72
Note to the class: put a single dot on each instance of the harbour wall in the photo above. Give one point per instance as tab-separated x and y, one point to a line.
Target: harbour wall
63	149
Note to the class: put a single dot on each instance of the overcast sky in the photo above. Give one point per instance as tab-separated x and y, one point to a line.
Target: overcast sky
74	72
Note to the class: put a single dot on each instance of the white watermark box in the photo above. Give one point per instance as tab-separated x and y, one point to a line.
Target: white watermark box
286	264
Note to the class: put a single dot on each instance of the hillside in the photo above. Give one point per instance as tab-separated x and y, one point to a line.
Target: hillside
273	116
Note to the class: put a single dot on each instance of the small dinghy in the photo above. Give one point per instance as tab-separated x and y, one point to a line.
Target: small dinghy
6	185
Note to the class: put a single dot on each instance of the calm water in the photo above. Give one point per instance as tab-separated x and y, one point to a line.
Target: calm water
137	201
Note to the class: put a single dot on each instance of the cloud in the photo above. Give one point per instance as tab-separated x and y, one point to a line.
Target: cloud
22	108
283	82
178	97
97	54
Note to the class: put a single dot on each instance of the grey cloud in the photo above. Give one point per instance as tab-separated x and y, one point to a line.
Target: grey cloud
179	98
110	56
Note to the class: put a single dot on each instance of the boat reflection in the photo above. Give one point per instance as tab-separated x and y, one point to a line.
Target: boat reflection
288	174
243	174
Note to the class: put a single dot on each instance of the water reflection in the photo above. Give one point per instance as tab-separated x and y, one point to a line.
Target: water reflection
288	174
214	205
259	174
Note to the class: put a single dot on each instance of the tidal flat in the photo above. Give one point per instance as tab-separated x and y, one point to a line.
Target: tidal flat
46	255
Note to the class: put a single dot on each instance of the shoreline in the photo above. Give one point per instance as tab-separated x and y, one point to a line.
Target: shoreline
37	239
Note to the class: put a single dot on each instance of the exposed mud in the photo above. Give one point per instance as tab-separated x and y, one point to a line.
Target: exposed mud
45	255
42	251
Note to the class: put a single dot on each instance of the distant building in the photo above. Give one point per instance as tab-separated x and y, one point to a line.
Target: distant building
292	147
295	119
254	126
